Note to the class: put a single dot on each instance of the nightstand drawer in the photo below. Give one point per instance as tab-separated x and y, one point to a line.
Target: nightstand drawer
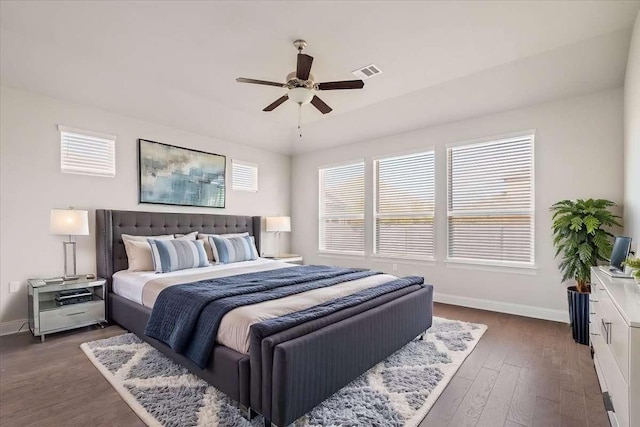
71	316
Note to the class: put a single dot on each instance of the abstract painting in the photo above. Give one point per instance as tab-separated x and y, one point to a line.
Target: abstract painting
173	175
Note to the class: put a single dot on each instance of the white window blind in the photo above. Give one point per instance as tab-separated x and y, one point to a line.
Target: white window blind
342	208
87	153
491	202
244	176
404	206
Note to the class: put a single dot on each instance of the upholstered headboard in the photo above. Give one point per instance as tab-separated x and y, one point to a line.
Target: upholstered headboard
111	224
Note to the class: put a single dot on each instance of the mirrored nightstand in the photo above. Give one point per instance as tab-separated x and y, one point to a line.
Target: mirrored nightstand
48	315
288	258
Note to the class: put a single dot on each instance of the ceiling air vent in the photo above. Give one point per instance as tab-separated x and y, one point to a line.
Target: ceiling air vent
367	72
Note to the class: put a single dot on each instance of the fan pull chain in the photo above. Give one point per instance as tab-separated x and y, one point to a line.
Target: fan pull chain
300	120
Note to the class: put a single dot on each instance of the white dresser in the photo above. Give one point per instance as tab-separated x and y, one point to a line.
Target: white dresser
615	339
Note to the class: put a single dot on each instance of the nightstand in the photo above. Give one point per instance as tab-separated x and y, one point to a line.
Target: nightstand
288	258
46	316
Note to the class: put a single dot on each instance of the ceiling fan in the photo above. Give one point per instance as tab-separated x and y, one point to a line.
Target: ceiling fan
302	86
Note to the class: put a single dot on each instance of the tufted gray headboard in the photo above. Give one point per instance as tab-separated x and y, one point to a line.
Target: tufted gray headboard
111	224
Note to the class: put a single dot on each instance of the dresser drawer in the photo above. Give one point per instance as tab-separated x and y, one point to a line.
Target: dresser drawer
614	332
72	316
614	384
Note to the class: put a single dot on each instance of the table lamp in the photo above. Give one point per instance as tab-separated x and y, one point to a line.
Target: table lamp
69	222
278	224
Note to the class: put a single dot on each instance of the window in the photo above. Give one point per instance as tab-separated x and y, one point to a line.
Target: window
490	202
404	205
244	176
87	153
342	208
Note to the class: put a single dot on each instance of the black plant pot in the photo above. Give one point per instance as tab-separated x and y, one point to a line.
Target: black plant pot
579	314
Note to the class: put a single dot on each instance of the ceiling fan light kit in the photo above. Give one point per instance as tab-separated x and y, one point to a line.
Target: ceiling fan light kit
301	85
300	95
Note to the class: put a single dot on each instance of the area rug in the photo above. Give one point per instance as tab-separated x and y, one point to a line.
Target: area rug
396	392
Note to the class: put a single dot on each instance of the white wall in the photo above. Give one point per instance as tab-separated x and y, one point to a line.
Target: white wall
632	141
31	184
578	153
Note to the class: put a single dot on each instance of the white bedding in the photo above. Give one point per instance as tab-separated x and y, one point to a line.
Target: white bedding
129	284
233	331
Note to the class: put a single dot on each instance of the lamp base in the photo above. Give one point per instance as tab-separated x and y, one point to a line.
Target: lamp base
69	260
69	278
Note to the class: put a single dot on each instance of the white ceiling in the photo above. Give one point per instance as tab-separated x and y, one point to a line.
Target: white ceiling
175	63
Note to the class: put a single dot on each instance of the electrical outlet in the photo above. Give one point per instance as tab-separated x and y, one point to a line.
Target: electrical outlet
395	267
14	287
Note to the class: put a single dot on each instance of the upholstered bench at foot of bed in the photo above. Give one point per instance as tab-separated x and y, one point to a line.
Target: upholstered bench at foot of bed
300	370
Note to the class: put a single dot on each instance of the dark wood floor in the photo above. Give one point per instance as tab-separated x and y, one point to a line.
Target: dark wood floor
524	372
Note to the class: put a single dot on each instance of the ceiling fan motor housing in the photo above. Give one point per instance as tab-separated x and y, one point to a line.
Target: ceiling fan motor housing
294	81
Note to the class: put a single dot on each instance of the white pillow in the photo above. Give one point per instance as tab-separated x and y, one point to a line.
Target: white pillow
139	255
134	237
188	236
207	246
139	251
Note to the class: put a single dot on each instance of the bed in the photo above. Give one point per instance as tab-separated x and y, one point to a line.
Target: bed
283	374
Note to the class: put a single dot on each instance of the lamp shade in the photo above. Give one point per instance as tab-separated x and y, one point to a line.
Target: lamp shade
278	223
70	222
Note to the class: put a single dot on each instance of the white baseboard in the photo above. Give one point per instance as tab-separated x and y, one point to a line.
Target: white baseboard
504	307
13	326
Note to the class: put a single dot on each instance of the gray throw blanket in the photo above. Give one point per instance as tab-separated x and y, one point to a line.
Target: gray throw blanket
186	317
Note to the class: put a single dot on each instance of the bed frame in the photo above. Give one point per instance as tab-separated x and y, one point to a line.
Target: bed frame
286	374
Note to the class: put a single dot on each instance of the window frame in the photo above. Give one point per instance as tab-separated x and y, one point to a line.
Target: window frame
516	265
375	215
246	164
321	217
111	139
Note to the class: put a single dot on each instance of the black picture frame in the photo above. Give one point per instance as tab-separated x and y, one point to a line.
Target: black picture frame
161	190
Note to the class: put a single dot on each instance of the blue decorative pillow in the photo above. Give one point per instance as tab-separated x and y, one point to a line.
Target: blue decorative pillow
233	249
173	255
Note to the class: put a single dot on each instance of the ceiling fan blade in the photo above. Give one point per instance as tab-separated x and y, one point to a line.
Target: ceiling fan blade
320	105
259	82
304	66
347	84
276	103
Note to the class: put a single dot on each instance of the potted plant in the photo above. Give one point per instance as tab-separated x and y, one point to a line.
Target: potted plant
634	264
581	238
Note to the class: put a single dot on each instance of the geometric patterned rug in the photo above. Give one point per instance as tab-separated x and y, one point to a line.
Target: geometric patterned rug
398	391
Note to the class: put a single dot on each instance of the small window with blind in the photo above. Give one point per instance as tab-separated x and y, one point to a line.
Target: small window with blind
404	206
244	176
491	202
87	153
341	216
